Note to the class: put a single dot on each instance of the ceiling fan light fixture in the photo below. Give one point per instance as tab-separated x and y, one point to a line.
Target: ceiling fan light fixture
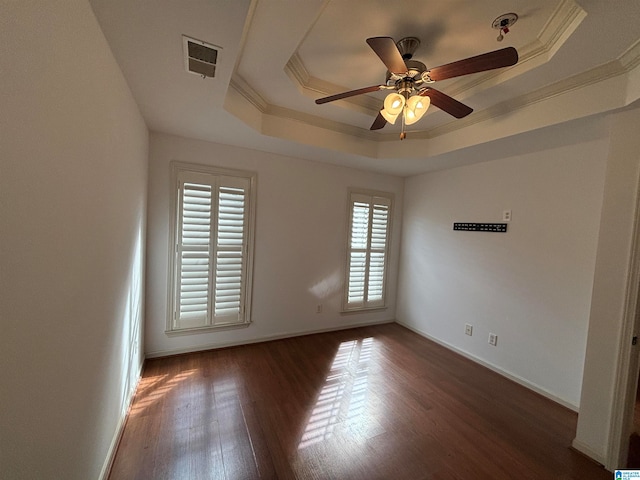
417	106
394	103
391	118
407	76
410	117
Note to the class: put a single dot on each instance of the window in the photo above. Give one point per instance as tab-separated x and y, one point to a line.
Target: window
367	250
211	248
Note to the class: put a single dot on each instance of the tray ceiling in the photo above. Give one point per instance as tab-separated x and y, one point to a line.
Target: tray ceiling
577	58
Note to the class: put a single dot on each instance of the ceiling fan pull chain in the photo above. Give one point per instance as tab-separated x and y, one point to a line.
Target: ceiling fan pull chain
403	134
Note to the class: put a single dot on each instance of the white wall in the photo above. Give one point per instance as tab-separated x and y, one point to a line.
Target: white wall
300	243
612	276
530	286
72	215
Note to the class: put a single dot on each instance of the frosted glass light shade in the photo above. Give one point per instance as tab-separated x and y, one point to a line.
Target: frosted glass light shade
389	117
416	108
394	103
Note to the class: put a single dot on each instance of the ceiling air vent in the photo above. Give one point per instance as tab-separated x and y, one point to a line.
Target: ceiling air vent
200	57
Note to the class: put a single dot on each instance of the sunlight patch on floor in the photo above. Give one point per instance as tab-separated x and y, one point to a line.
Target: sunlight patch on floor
343	398
158	387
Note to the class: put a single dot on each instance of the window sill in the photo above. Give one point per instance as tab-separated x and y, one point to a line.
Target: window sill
207	329
362	310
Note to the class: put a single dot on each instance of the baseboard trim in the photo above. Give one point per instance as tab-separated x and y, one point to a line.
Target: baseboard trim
505	373
265	338
117	437
587	451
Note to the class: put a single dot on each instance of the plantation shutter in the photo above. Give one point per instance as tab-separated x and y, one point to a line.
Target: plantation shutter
378	249
230	247
358	252
194	256
210	270
367	257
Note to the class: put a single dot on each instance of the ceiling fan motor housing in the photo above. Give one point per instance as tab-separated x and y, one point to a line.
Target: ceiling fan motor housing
407	47
416	69
405	87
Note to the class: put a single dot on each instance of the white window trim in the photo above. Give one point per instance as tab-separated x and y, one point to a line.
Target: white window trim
178	168
380	305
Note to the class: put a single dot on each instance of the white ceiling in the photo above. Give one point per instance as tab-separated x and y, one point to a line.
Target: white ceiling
577	58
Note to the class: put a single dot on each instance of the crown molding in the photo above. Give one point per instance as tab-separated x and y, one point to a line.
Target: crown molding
562	23
241	87
559	27
630	59
249	94
297	72
576	82
623	65
315	121
312	86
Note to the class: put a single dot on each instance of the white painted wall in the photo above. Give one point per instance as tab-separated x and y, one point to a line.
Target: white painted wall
530	286
73	181
607	316
300	243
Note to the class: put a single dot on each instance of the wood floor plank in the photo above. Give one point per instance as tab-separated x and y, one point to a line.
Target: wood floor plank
368	403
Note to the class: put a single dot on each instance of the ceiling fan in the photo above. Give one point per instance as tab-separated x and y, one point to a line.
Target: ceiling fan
410	79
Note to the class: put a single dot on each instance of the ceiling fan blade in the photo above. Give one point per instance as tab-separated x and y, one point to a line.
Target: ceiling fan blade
350	93
504	57
386	49
378	123
446	103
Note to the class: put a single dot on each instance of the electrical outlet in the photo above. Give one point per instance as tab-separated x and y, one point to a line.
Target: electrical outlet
493	339
468	329
319	308
506	215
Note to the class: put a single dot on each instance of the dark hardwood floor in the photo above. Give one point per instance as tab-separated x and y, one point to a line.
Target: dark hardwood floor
369	403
